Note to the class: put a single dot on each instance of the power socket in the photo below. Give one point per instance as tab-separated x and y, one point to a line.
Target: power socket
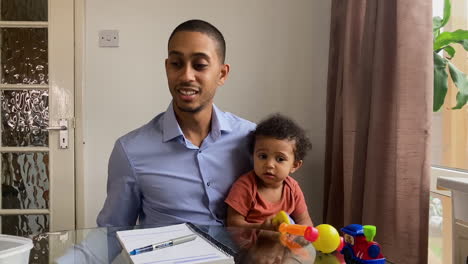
108	38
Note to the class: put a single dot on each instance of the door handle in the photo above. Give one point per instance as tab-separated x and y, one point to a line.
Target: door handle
56	128
63	132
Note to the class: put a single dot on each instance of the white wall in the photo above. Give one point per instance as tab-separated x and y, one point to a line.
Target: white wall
278	51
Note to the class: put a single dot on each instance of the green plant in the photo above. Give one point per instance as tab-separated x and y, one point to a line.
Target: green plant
443	42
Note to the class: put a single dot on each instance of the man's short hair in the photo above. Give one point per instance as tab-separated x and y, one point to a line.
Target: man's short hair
196	25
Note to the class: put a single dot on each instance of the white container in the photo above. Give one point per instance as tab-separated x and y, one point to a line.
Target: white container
14	250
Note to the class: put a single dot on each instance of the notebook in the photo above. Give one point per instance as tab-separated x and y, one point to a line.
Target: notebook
204	249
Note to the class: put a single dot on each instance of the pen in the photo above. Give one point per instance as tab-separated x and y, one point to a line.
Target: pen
168	243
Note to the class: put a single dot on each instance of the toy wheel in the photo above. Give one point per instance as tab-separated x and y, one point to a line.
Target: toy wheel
348	256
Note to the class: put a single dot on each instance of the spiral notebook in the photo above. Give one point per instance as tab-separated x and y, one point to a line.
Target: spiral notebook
204	249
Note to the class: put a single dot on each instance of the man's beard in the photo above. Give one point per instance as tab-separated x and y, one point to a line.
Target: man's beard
191	110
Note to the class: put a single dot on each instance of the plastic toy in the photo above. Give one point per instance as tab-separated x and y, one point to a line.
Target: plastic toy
282	217
308	232
328	239
325	238
295	247
359	245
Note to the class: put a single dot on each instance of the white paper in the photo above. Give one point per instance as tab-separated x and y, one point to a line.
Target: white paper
195	251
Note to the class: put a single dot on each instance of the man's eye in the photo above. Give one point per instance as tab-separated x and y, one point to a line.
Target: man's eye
175	63
200	66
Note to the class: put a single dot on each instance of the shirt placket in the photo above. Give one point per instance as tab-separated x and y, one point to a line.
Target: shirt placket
209	182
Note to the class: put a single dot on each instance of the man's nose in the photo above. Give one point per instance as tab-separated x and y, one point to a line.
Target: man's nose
187	74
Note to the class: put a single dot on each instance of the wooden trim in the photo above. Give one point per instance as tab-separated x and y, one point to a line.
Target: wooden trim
24	24
22	86
24	149
24	211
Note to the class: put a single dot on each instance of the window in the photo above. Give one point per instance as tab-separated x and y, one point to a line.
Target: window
450	127
449	144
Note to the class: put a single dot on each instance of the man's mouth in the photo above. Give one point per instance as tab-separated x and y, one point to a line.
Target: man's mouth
187	91
187	94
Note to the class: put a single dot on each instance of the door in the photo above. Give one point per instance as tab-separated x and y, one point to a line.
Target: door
36	92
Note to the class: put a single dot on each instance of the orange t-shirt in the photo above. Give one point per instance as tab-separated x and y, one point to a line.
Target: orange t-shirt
245	199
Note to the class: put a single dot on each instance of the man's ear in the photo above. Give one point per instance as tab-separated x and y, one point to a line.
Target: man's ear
165	63
296	165
223	74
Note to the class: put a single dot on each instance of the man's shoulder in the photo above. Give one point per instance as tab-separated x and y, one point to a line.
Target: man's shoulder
238	123
147	132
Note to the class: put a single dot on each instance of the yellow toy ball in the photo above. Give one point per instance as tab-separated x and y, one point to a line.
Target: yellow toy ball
328	239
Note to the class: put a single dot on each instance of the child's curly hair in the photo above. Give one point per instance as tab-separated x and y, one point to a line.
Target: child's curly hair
281	127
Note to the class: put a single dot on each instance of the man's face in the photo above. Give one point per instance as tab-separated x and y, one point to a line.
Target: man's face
194	71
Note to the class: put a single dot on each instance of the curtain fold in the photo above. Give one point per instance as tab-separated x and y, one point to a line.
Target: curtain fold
379	109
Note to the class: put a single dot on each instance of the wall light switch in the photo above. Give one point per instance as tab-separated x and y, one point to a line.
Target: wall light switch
108	38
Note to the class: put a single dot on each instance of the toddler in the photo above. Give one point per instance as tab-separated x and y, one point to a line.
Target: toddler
279	147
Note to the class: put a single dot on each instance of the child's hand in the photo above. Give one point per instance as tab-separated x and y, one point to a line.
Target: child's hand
268	224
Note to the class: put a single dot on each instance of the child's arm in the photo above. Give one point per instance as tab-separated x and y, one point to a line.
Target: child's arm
304	219
234	218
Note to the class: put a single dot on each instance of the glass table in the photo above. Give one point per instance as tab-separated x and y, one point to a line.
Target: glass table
101	245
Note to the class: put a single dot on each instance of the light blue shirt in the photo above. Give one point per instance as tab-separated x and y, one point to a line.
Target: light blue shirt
158	176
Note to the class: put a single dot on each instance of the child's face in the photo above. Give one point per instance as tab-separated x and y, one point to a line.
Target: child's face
274	160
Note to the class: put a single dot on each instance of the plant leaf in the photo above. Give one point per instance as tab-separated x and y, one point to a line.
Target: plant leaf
440	81
447	11
461	82
446	38
450	51
438	22
461	100
464	43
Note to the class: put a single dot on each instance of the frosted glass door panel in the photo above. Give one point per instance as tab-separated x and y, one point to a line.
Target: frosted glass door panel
24	225
24	56
23	10
25	180
25	114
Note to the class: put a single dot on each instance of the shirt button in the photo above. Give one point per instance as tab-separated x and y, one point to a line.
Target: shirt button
208	184
199	151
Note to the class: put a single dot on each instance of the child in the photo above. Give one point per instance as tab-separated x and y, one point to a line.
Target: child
278	146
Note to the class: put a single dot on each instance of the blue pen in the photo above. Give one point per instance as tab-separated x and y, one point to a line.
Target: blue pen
164	244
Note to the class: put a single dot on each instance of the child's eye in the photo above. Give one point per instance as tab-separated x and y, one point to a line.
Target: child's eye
280	159
262	156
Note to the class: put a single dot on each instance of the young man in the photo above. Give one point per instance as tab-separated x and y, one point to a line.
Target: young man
179	167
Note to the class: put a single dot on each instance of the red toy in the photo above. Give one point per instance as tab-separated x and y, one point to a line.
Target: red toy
359	246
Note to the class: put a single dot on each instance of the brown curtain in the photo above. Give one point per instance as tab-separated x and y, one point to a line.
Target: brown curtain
378	122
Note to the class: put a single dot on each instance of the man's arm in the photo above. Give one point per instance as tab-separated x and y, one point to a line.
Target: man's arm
123	202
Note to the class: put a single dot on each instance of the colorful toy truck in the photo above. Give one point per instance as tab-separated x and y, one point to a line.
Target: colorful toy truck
359	247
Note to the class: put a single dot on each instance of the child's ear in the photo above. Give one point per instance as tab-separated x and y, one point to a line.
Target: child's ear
296	165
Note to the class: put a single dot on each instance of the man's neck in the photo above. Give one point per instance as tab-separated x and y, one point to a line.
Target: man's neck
195	126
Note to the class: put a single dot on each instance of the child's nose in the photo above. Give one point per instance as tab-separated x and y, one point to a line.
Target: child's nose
269	163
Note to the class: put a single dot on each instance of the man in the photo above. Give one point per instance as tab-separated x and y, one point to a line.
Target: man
179	167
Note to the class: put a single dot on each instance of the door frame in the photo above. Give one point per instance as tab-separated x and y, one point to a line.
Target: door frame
80	52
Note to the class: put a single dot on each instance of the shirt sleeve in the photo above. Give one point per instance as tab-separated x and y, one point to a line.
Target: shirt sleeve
240	196
299	200
123	202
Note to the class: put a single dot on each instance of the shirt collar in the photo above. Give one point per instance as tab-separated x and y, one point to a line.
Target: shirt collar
171	128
